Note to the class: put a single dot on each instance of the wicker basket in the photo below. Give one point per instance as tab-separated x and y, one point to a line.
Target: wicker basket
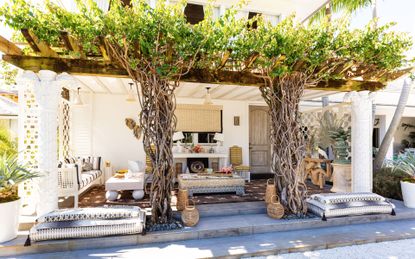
274	209
270	191
182	199
190	215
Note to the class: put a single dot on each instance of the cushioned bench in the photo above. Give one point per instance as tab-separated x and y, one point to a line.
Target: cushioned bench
88	223
327	205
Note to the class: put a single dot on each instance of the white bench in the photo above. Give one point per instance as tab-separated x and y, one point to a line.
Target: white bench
70	185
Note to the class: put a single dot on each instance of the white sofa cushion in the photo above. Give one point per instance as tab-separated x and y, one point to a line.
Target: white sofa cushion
136	166
326	208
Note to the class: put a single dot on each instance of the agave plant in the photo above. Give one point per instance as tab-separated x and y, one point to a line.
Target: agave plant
406	163
12	173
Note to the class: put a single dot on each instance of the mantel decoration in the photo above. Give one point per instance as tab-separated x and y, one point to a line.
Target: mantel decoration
157	48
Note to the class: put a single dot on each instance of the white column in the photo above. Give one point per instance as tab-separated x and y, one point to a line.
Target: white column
47	88
362	130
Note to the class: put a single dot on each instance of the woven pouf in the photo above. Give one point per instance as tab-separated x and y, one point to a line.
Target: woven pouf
190	215
274	209
182	199
270	191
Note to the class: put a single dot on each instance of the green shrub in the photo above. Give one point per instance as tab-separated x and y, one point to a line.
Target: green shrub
386	182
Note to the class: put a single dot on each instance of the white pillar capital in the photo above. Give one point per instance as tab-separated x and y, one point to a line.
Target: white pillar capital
362	130
47	75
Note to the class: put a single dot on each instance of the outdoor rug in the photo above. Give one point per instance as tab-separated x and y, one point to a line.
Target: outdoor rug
254	191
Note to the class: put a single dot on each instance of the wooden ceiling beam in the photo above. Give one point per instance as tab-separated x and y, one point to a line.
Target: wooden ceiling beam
37	45
101	68
72	44
8	47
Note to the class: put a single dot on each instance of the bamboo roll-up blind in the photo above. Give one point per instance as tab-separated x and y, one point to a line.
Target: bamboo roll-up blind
198	118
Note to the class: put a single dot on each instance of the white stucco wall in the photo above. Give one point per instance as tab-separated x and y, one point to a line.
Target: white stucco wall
112	140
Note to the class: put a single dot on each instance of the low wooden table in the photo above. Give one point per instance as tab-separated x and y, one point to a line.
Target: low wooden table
194	183
135	184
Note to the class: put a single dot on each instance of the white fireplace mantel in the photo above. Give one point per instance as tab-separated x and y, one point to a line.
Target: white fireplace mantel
182	157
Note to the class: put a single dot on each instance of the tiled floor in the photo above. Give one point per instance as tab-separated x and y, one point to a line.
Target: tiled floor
254	191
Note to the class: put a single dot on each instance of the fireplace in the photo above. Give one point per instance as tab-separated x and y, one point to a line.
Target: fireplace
197	164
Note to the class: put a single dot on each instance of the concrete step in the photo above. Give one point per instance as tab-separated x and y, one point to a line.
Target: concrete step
208	227
266	244
231	209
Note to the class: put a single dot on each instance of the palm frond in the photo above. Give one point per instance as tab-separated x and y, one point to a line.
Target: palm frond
336	6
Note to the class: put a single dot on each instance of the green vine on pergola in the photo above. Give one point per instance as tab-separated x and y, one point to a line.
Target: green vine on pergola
157	48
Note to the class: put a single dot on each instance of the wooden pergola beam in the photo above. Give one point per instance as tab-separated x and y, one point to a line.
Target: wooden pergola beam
8	47
102	68
72	44
37	45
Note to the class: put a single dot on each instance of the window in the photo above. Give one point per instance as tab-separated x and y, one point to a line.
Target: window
194	13
251	15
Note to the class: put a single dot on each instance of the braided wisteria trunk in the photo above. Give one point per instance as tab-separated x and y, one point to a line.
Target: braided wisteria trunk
158	123
287	141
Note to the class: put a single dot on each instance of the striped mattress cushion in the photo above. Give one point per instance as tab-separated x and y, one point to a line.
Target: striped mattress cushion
334	198
351	208
85	229
90	214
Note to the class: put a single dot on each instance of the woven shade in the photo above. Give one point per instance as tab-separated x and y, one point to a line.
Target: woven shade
198	118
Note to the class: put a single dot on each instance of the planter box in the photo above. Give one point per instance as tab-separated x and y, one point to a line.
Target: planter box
408	194
9	220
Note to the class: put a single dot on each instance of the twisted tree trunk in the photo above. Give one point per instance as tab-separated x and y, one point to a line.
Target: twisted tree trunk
158	123
287	141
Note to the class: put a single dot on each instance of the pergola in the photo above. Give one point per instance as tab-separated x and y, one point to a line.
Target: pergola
55	64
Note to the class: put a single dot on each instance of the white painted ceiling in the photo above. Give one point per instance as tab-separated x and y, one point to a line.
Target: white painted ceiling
120	86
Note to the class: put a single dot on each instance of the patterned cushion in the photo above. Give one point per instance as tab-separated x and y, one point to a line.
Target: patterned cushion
88	222
88	177
343	207
333	198
86	166
90	214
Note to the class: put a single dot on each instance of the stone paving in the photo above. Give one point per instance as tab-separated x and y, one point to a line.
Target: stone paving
257	244
401	249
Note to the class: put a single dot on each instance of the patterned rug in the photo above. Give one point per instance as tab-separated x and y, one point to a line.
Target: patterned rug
254	191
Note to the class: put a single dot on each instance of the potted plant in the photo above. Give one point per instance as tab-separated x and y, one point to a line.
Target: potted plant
12	173
406	163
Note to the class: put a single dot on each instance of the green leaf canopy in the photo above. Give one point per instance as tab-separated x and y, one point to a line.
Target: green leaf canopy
160	39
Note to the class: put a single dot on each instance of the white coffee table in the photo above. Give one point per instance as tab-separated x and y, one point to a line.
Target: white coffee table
135	184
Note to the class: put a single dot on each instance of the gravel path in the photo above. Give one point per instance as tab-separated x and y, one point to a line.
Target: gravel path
401	249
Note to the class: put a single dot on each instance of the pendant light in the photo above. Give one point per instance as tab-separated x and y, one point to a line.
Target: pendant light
77	101
208	98
130	96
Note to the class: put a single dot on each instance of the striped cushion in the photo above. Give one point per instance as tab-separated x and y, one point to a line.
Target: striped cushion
88	177
89	222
